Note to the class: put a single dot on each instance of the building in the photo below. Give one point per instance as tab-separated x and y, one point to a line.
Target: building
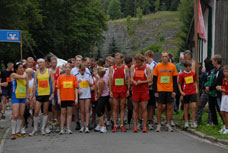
216	23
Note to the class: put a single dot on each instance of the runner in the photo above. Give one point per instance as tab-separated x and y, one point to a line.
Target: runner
93	97
85	81
152	102
165	87
6	90
67	97
118	74
43	86
75	71
128	61
54	107
224	101
103	99
19	94
140	78
188	88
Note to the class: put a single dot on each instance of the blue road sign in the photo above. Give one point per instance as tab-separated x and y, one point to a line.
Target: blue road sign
10	36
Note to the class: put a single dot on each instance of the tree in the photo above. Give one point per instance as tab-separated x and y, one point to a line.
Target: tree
139	14
157	5
114	10
186	13
113	48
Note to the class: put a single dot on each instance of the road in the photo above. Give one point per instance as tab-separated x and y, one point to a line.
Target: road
129	142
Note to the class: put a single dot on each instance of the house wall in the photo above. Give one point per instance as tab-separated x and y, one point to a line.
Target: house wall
221	29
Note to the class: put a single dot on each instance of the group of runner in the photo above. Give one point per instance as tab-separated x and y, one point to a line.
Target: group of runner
84	89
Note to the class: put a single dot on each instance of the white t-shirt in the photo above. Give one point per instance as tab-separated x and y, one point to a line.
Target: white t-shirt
151	66
75	71
31	86
83	84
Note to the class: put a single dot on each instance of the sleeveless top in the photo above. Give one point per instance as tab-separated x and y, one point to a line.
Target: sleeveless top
19	88
119	79
43	84
140	74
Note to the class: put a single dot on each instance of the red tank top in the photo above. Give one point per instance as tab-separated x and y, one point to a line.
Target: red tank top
119	79
56	76
225	85
140	74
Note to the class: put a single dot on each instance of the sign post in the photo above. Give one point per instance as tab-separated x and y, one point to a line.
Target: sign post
12	36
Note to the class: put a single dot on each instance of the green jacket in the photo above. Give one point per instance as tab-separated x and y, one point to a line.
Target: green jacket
209	83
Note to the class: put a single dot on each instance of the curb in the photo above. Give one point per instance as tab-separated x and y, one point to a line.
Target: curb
203	136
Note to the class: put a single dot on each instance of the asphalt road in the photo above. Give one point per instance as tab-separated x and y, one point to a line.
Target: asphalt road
129	142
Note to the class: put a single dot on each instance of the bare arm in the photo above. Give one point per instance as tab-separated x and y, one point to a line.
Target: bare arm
128	77
149	79
110	78
17	76
34	85
101	87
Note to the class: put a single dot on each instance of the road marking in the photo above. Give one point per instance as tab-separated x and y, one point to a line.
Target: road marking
3	140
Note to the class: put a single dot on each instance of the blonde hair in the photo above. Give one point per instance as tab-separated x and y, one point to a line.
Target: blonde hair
101	72
29	71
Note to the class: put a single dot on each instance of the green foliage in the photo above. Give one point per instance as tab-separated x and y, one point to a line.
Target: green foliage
157	5
129	25
63	27
161	38
186	13
156	47
139	15
114	9
113	48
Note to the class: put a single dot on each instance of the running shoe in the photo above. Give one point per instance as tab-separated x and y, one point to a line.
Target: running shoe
123	129
186	125
225	131
47	129
150	126
222	129
194	125
135	129
82	130
43	132
78	126
69	131
172	123
86	130
61	132
19	135
114	129
169	128
13	137
103	129
144	130
23	131
158	128
32	133
97	129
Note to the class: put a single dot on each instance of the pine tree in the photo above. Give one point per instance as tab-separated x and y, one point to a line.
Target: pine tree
114	9
113	48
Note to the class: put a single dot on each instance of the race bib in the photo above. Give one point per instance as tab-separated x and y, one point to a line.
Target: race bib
84	84
21	89
139	74
43	84
8	79
165	79
30	90
67	84
189	80
119	82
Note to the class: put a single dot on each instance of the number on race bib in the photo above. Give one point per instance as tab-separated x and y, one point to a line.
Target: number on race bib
43	84
139	74
84	84
189	80
119	82
165	79
67	84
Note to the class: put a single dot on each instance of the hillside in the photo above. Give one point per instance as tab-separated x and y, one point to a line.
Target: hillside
157	31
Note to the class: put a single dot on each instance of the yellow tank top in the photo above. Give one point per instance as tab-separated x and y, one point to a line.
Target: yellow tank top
20	91
43	83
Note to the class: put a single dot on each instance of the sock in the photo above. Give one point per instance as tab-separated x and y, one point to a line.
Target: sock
13	126
36	120
44	121
18	126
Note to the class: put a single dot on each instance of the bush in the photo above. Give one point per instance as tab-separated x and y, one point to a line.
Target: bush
156	47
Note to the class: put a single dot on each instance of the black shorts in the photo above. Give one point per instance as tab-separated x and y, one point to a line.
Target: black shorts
94	104
152	100
189	99
42	98
6	92
165	98
50	108
65	104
